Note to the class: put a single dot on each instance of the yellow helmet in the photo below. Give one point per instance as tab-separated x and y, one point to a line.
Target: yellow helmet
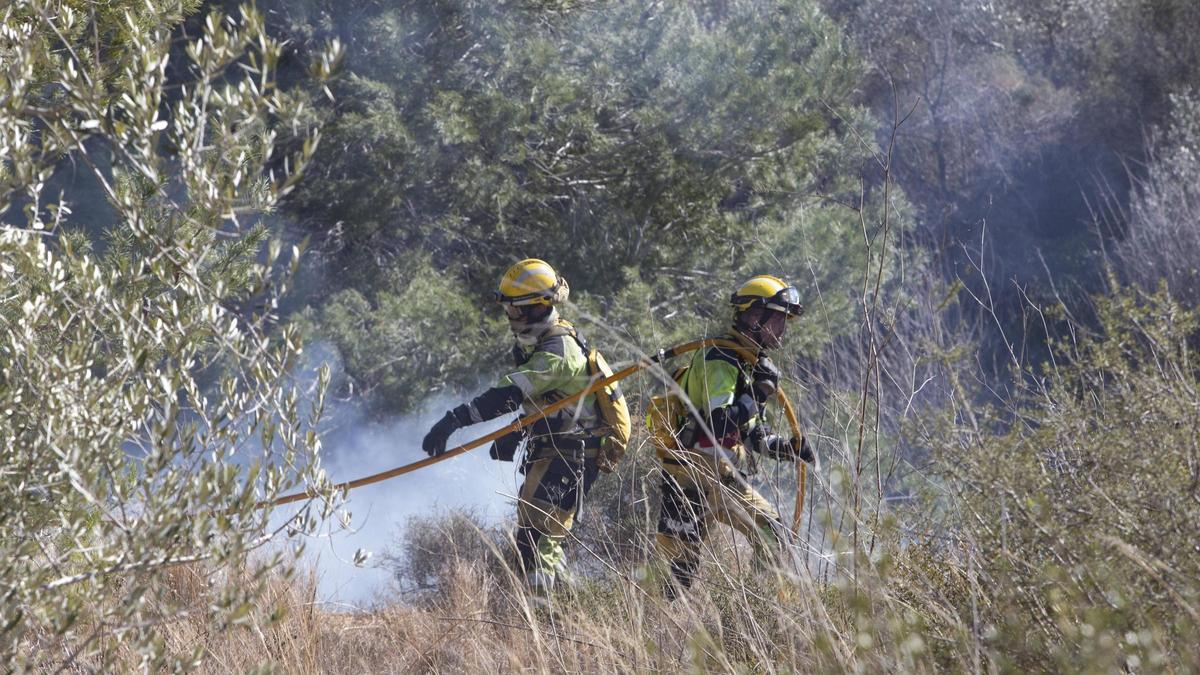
532	282
770	292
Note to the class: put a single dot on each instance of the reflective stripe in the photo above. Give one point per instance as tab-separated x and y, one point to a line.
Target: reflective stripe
522	383
719	402
531	271
575	415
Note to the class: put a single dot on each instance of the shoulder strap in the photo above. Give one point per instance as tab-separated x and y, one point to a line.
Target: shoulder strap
564	327
735	347
559	329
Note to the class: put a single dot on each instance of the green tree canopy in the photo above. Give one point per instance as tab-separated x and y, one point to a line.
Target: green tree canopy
654	154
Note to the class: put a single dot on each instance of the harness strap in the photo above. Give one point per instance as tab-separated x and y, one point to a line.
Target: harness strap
566	328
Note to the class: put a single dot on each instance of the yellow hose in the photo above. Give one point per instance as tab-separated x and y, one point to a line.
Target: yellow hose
523	422
516	425
801	467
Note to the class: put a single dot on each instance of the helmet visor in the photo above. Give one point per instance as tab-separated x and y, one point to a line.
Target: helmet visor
535	297
787	301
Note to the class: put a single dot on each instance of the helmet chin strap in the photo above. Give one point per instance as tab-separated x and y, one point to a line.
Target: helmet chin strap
528	332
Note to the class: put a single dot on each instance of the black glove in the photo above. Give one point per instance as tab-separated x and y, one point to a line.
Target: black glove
802	450
766	380
434	443
788	449
762	440
505	447
745	408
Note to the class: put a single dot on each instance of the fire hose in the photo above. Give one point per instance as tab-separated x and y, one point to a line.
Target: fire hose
522	422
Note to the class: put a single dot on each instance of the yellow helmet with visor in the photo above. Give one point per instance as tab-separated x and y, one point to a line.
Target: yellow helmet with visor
769	292
532	282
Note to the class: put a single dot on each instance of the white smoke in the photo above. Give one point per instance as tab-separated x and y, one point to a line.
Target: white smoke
354	448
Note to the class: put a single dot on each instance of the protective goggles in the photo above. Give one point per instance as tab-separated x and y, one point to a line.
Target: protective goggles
787	300
522	312
528	298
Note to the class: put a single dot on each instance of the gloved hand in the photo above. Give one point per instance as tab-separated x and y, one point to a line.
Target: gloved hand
765	380
745	408
789	449
800	449
758	437
805	453
727	422
505	447
434	443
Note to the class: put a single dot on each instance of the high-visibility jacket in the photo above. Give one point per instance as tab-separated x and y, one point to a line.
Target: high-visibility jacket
718	385
554	368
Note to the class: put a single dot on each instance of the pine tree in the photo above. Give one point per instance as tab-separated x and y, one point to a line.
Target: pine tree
655	155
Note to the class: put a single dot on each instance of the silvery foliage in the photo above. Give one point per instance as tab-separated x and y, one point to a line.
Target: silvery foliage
1161	240
147	403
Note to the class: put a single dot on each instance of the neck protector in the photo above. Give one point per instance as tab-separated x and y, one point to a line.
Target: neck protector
528	333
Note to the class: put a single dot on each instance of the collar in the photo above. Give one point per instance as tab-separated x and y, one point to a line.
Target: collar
746	343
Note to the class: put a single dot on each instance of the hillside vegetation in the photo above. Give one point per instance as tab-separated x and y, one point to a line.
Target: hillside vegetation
991	210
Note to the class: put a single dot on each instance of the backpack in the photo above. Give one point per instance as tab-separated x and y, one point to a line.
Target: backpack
667	412
614	411
665	415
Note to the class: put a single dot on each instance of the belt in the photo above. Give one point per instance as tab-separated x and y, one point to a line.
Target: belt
576	449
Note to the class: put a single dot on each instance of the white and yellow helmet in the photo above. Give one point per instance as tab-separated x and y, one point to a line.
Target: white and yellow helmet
770	292
532	282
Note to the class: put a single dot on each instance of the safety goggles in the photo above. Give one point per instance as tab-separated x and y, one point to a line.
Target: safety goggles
526	299
526	313
517	312
787	300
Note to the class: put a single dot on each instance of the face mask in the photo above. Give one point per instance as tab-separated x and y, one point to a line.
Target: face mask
527	333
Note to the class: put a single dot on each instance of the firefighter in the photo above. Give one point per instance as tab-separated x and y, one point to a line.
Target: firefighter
727	388
563	452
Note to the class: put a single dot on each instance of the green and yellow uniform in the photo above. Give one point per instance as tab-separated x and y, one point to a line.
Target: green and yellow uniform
704	452
703	480
564	451
560	462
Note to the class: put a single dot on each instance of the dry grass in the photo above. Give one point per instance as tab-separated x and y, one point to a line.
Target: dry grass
480	621
1053	534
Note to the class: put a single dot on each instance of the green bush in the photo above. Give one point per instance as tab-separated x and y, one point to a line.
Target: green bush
1080	502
